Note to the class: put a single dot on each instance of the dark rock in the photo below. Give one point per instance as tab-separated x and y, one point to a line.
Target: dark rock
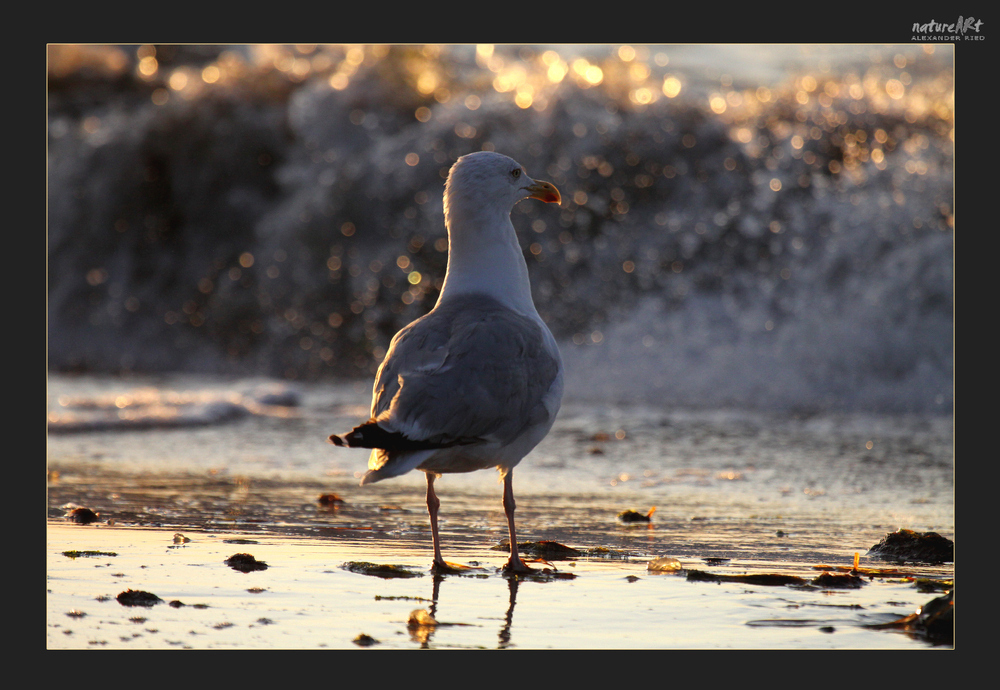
330	500
907	546
245	563
634	516
935	621
82	516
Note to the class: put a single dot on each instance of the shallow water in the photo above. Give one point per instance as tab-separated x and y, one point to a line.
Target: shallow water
763	493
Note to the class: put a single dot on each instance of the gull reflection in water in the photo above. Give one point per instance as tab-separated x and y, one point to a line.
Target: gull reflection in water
423	623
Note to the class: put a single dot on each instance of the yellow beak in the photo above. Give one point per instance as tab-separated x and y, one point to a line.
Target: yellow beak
544	191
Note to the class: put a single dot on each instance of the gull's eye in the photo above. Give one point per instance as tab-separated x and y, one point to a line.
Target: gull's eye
515	173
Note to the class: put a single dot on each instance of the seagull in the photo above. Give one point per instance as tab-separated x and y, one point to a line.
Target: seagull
476	382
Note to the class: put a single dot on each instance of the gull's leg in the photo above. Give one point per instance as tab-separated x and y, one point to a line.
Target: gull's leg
514	563
433	503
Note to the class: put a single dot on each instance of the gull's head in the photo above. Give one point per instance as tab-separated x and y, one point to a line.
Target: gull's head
488	180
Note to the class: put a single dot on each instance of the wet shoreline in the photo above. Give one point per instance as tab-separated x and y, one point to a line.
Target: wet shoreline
735	495
308	597
181	557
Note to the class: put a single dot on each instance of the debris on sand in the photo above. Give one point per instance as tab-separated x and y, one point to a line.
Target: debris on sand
77	554
935	620
363	640
421	618
907	546
606	553
824	580
767	579
838	581
82	516
549	550
664	564
385	571
135	597
543	575
330	500
928	585
245	563
634	516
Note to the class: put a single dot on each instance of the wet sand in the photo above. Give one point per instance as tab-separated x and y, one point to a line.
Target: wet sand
734	493
306	598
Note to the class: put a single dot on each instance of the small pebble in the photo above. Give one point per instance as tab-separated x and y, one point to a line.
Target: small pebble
664	564
421	618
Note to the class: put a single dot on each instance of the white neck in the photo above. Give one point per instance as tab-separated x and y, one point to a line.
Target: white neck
486	262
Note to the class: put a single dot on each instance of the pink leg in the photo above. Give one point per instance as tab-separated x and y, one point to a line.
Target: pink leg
433	503
514	563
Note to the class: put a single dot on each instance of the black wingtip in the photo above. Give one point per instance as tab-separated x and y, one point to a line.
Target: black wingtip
371	435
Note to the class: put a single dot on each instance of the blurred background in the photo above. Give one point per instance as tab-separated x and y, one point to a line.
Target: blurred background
743	226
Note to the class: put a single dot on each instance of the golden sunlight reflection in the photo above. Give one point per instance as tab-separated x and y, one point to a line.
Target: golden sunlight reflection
524	96
178	79
817	109
626	76
483	54
840	122
427	82
671	86
630	76
210	74
642	95
588	74
148	66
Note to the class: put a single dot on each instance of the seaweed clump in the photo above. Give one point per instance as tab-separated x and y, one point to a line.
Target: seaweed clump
549	550
765	579
74	554
838	581
385	571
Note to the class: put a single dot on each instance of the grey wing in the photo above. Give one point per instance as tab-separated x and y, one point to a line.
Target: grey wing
460	374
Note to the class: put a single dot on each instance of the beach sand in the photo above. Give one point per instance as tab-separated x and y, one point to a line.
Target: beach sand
307	599
734	495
